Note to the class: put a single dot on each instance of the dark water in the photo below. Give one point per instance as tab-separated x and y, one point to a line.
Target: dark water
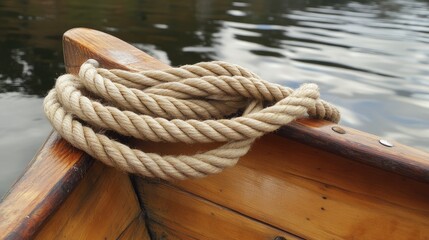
369	57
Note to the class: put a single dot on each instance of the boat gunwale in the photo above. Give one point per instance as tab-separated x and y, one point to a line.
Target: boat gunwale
399	158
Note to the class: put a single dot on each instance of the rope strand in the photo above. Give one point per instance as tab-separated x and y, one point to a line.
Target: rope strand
186	104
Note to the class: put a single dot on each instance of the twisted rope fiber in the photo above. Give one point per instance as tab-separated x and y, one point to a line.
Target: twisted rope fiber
188	104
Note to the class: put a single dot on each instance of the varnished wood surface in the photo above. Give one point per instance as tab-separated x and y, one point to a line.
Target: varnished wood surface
136	230
48	180
360	146
81	44
314	194
197	218
161	232
101	207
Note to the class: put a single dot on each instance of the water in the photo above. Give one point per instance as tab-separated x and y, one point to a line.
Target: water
369	57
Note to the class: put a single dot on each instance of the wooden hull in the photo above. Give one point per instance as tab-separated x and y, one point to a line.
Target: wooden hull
281	188
304	182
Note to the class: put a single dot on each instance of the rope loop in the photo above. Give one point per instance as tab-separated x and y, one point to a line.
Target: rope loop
197	103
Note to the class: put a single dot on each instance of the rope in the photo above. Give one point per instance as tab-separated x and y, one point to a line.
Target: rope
192	104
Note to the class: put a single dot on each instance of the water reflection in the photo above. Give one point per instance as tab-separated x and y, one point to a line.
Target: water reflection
369	57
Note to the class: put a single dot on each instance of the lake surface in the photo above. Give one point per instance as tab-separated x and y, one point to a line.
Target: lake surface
370	58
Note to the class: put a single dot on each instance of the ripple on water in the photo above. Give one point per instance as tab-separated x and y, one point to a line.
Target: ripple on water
371	58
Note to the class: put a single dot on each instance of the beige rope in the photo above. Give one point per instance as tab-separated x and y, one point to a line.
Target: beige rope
188	104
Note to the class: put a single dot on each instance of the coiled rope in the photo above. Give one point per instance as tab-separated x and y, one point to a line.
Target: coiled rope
189	104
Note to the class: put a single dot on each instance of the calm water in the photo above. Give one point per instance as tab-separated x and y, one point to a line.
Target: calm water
369	57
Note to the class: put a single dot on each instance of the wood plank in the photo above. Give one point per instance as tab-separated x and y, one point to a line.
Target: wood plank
200	219
360	146
47	181
315	194
136	230
101	207
162	232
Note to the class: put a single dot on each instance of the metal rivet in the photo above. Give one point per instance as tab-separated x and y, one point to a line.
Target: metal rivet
279	238
338	129
386	143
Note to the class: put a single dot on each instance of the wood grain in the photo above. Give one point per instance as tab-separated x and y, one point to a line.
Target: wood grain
47	181
161	232
200	219
136	230
315	194
81	44
360	146
101	207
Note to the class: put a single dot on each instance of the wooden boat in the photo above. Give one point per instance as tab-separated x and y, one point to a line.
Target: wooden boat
310	180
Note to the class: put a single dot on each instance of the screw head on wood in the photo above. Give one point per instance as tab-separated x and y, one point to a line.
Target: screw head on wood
385	143
338	129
